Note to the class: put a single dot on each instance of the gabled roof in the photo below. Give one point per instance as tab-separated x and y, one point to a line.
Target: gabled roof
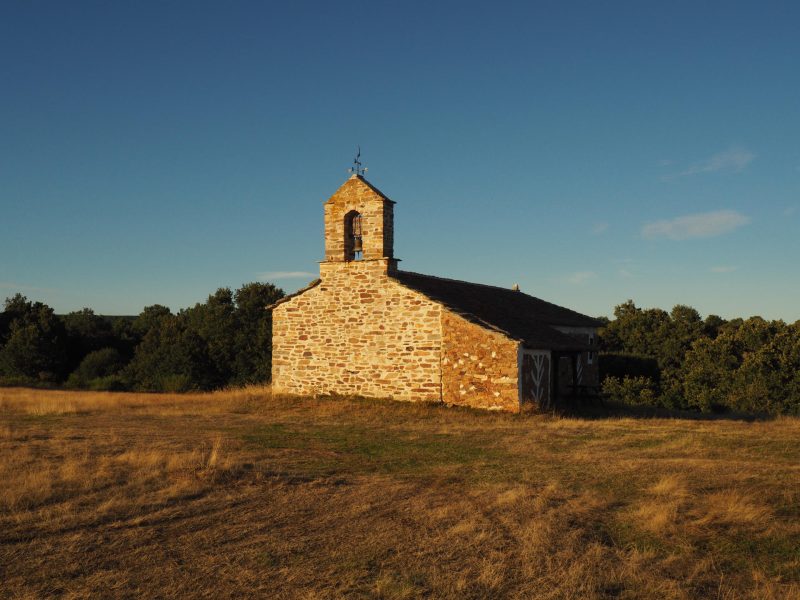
288	297
514	313
359	181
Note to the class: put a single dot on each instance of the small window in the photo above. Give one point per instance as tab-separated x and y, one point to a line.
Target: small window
590	358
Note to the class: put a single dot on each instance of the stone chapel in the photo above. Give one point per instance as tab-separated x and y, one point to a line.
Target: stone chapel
367	328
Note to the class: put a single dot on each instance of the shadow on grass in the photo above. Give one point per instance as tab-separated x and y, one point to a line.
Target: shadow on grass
581	408
335	448
595	409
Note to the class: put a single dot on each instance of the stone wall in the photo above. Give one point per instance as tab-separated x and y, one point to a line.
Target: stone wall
358	332
479	366
361	332
377	221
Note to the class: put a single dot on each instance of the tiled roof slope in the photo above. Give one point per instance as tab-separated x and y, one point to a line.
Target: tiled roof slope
519	315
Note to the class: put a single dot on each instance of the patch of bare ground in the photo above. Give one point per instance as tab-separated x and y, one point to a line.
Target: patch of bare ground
239	494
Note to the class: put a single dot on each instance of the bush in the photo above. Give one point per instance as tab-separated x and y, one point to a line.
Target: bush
97	365
625	364
19	381
177	383
112	383
631	390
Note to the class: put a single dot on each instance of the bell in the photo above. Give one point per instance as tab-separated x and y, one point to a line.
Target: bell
357	244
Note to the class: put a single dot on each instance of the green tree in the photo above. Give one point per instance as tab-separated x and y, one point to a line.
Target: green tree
768	379
216	323
151	316
253	357
635	330
708	372
712	325
34	345
225	340
666	337
86	332
172	357
750	366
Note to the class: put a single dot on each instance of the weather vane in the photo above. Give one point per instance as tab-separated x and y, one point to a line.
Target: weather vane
357	169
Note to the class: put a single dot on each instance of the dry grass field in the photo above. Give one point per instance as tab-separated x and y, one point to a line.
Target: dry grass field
238	494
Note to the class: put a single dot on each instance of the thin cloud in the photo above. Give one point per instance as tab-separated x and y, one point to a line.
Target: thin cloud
581	277
267	275
626	268
734	158
702	225
723	269
789	211
599	228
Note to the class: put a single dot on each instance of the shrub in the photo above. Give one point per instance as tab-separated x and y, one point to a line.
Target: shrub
625	364
630	390
19	381
99	364
110	383
177	383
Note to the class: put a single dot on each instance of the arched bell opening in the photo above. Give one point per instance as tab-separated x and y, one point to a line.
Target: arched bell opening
353	242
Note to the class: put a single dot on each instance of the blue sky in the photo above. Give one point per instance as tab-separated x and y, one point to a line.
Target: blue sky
151	152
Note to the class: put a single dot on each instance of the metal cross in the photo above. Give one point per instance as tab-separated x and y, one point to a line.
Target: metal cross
357	169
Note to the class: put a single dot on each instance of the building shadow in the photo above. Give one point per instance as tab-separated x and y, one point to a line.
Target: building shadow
597	409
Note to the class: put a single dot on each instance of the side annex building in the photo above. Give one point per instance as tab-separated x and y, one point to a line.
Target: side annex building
367	328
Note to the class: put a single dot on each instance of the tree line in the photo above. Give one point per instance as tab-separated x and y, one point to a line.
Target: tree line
222	342
679	360
650	356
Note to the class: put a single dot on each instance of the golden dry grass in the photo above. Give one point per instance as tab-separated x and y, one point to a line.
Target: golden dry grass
238	494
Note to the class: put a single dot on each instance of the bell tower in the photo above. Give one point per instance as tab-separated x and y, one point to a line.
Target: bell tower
359	225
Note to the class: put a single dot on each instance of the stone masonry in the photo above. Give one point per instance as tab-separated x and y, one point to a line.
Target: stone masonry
358	332
365	334
479	366
377	214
